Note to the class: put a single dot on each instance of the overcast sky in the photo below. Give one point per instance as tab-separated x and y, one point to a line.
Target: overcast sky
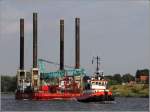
116	30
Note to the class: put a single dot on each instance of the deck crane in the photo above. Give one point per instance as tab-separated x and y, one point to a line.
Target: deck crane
59	73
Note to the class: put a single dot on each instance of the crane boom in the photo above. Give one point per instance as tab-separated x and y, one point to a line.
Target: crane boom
59	73
54	63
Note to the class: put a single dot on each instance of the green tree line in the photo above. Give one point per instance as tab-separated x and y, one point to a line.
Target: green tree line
8	83
118	79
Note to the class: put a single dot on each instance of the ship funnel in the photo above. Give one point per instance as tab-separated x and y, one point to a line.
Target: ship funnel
21	44
77	43
61	44
34	40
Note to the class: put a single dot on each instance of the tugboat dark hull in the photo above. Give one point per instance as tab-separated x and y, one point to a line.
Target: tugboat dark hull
95	98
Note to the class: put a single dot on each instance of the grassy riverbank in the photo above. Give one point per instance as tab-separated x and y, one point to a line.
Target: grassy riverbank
135	90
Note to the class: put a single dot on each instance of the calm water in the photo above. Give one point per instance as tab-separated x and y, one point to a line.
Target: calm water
8	103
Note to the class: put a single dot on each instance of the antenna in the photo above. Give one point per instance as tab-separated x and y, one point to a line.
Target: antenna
98	59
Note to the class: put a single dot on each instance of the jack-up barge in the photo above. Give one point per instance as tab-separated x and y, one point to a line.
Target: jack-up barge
63	84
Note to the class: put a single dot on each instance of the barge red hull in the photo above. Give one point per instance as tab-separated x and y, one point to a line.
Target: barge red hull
47	96
100	96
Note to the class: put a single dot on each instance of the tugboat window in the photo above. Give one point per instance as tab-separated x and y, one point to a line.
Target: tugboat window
93	83
99	83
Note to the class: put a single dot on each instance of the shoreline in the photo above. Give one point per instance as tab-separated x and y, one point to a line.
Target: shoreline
135	90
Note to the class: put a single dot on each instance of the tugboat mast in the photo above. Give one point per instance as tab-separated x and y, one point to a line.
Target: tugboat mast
98	73
97	62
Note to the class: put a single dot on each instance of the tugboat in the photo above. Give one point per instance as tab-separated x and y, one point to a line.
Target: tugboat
96	87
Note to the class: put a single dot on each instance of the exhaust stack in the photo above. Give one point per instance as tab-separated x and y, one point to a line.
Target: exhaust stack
34	40
77	43
61	44
21	44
